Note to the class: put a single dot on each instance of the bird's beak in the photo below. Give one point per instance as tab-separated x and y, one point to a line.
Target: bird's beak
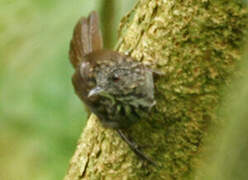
95	91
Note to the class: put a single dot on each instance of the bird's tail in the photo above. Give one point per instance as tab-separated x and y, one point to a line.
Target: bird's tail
86	38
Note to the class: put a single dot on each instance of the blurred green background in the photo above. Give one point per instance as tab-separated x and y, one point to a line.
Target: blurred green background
40	116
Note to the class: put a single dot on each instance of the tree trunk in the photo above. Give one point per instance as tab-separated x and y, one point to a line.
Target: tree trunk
197	46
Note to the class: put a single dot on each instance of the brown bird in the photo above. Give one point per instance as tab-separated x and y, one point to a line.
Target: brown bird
115	87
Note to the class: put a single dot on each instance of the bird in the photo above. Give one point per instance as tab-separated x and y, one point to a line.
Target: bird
115	87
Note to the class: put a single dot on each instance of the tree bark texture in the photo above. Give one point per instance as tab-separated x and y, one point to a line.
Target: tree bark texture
197	46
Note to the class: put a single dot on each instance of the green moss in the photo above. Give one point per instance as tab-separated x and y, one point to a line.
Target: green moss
197	45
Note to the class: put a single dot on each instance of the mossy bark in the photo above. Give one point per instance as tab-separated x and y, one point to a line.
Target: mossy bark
197	46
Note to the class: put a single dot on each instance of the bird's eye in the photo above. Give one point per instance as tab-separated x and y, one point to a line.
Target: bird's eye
115	78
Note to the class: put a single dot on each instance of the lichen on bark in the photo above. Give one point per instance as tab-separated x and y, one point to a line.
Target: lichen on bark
197	45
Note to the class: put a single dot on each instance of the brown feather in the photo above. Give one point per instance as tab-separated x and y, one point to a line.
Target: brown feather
86	39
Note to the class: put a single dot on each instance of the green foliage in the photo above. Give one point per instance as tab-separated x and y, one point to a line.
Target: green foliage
40	116
230	160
